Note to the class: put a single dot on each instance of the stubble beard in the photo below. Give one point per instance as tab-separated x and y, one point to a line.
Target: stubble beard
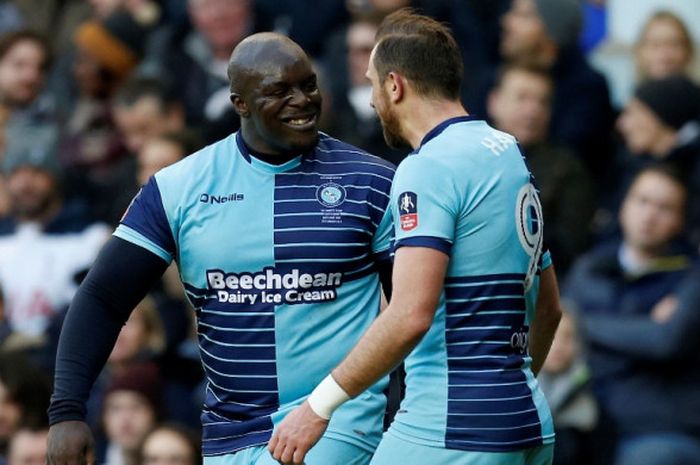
391	128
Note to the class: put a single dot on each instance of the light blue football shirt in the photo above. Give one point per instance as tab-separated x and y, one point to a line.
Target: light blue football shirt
279	264
467	192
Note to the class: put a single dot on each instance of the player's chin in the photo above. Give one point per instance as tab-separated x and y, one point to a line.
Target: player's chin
303	141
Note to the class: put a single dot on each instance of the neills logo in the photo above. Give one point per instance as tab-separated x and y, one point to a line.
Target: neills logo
216	199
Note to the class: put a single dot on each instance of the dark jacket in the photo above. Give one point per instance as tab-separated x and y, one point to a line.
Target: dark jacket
646	374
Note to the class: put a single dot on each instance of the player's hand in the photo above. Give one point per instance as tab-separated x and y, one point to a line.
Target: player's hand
297	433
70	443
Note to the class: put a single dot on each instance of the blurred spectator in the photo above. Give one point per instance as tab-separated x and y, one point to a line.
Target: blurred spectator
24	396
520	104
141	338
307	22
638	303
477	28
164	150
546	32
352	118
131	409
664	48
26	116
145	108
106	53
662	123
171	444
195	62
144	11
28	447
45	243
54	18
565	382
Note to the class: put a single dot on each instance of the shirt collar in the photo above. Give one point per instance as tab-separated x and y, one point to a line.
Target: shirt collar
256	162
437	130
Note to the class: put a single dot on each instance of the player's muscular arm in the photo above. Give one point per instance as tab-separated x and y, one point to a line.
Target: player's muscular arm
419	274
546	319
120	277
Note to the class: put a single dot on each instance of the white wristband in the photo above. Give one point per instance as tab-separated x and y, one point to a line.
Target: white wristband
327	397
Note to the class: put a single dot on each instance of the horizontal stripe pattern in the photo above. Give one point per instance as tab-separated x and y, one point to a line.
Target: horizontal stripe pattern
323	239
237	349
490	405
220	435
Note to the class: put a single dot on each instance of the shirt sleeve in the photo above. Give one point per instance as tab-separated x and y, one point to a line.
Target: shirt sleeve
423	206
145	223
120	277
381	242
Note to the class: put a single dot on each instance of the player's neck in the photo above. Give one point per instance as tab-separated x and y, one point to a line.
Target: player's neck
422	115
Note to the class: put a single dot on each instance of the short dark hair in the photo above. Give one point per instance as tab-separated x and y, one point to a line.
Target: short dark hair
10	39
27	386
670	171
524	66
188	140
667	169
423	50
137	88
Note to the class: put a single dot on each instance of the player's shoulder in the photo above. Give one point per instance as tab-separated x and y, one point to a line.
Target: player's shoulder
468	145
336	151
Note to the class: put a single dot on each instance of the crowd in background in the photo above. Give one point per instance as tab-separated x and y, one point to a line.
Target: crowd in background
97	95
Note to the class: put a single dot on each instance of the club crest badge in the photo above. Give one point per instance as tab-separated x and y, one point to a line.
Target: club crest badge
330	194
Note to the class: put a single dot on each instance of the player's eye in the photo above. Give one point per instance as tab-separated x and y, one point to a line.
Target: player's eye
311	85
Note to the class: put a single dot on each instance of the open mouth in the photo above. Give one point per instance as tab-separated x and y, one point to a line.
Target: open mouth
302	123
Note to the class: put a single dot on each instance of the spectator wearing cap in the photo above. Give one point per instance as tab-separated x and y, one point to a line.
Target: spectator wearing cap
131	410
116	43
546	32
45	242
661	123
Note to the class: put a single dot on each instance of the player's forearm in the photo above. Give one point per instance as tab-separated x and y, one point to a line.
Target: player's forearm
392	336
546	319
419	274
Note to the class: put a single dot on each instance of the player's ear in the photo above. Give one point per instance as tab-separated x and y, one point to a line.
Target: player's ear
396	86
239	105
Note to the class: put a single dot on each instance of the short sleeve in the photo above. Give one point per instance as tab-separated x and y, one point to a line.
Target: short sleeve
145	223
423	205
381	242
